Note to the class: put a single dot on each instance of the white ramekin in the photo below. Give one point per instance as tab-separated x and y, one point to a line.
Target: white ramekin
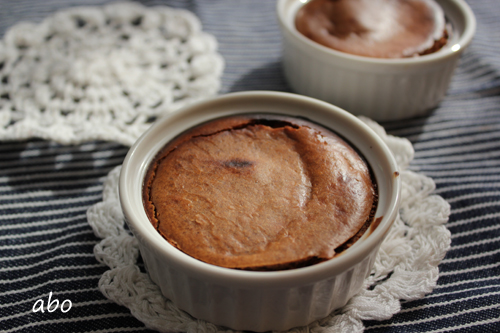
258	301
382	89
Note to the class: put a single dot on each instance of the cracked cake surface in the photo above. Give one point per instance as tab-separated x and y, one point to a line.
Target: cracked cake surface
259	193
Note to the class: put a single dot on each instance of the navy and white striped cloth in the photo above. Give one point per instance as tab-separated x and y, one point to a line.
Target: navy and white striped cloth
46	245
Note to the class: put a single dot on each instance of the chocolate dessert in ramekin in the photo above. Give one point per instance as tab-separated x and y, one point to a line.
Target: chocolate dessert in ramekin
260	192
375	28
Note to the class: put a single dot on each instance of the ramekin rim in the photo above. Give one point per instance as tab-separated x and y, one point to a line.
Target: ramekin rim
228	275
464	40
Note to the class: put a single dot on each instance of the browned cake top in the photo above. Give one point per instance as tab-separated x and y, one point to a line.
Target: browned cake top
250	193
374	28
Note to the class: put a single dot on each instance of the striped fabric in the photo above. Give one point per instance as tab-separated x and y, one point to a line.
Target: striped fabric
46	245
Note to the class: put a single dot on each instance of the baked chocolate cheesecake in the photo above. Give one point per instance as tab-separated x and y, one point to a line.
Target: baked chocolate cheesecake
260	192
375	28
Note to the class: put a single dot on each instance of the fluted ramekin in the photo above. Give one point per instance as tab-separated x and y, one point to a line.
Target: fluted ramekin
249	300
382	89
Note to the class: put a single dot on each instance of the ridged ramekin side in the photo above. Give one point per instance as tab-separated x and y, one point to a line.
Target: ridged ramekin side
256	309
378	94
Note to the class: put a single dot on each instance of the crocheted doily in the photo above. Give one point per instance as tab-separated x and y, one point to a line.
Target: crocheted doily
406	267
104	73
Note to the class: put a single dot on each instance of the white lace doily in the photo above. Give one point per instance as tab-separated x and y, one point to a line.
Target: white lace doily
406	267
104	73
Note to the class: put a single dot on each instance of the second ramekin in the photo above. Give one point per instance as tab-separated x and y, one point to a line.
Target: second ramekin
382	89
246	300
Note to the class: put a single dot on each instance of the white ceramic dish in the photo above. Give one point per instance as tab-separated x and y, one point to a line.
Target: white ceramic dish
258	301
382	89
